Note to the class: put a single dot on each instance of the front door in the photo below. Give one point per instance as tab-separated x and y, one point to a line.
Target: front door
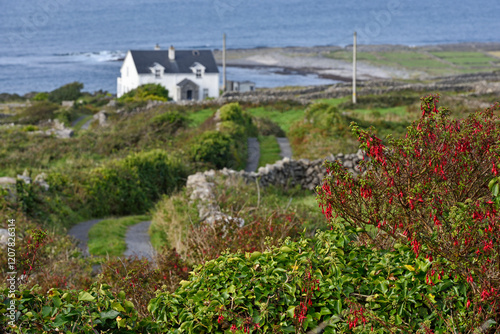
189	94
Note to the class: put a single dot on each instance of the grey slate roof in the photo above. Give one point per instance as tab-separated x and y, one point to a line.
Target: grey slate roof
184	59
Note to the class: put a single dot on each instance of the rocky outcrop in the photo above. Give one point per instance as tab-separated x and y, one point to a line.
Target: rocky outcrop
101	117
58	129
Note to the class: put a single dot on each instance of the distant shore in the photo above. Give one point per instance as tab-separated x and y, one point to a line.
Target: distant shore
334	62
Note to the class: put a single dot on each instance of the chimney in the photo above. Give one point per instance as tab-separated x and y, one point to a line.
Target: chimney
171	53
157	46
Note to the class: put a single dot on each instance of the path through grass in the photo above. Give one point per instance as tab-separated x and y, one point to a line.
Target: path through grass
269	150
108	236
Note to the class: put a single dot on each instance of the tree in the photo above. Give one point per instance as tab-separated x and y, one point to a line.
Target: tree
69	92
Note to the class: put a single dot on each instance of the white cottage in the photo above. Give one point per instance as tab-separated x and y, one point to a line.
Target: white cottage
187	74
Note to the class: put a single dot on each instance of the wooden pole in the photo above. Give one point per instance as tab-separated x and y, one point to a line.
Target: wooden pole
224	82
354	70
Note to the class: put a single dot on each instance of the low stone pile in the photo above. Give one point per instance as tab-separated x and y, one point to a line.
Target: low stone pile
9	183
58	129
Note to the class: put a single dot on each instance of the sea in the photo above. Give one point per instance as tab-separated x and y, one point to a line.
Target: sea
45	44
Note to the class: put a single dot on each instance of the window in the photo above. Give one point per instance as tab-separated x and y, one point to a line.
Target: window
198	73
205	93
157	73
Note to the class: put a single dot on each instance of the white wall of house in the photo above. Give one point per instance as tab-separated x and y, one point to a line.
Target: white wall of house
130	79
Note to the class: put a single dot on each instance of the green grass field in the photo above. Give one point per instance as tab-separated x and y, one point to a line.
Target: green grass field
269	150
108	236
198	117
283	118
433	63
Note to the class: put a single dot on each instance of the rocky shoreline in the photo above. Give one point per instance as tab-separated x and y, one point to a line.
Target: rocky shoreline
312	60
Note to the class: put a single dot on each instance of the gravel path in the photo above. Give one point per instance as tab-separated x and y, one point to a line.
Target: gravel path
286	150
138	242
81	233
253	155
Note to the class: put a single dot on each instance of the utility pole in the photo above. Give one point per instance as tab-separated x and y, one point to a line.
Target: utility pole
224	62
354	70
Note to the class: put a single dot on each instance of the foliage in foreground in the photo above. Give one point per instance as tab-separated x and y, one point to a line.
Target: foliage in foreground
328	282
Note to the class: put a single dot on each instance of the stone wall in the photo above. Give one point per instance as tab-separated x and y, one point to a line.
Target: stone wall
306	173
475	83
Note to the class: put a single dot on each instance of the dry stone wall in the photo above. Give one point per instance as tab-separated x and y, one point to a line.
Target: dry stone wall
305	173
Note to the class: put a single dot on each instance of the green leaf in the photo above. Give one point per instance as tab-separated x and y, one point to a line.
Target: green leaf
325	311
57	301
291	311
84	296
46	310
59	320
117	306
338	306
111	314
495	190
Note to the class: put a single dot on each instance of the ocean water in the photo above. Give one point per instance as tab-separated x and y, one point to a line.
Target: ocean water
47	43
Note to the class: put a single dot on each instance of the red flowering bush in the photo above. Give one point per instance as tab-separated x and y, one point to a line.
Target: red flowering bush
207	240
140	279
430	190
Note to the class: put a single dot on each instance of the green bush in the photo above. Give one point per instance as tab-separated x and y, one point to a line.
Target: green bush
69	92
170	121
131	185
266	127
328	282
214	148
235	127
146	92
326	117
37	112
94	311
41	97
232	112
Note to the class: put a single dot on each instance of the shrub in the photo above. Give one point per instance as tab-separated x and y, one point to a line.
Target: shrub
69	92
146	92
131	185
170	121
266	127
41	97
140	279
232	112
430	191
95	310
326	117
208	240
215	148
37	112
235	126
327	283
